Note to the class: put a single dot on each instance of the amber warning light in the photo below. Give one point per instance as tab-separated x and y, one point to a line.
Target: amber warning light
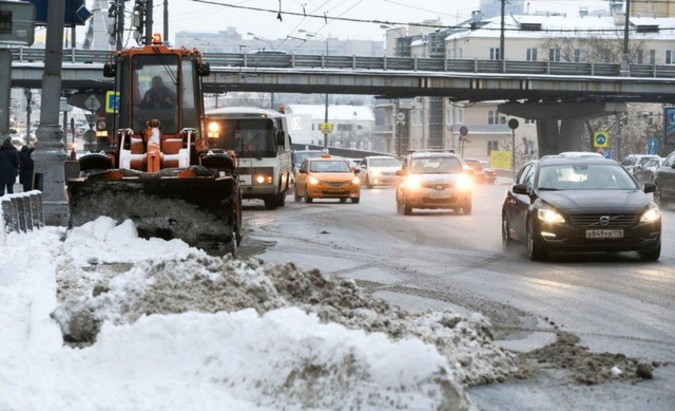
156	38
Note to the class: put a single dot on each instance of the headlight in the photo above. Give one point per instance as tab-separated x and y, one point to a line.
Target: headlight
650	215
550	216
213	129
312	180
412	183
464	182
356	180
263	179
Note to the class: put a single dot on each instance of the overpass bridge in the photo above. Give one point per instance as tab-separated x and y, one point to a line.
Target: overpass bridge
546	91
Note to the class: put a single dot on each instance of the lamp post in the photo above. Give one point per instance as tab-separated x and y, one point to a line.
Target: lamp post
398	114
325	117
261	38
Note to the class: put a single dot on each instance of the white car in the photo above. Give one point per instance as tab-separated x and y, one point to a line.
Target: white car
379	170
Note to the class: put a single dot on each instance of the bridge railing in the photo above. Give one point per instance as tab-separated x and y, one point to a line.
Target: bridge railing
283	60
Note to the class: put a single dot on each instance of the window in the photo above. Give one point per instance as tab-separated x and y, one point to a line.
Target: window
640	57
530	121
344	127
670	56
580	56
492	146
554	54
495	53
652	56
531	54
493	117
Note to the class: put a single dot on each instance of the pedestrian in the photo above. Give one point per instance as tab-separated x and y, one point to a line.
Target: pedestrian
26	167
9	166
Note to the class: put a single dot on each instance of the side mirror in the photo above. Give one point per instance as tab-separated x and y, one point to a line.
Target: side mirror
649	187
302	171
204	69
400	173
520	189
357	170
109	70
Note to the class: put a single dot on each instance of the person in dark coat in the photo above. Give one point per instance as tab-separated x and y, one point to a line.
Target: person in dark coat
9	165
26	167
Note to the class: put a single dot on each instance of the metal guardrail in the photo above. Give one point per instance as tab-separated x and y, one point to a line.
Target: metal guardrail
300	61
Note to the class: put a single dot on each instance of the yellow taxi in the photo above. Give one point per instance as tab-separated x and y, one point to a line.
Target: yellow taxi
327	177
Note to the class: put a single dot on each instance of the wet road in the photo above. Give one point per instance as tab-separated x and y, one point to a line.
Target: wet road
442	260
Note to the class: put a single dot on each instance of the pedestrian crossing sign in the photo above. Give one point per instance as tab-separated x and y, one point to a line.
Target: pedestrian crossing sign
112	101
326	128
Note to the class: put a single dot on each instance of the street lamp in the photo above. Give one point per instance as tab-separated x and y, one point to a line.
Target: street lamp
261	38
325	117
399	123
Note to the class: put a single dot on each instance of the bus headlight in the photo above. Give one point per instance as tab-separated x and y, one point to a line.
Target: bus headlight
213	129
263	179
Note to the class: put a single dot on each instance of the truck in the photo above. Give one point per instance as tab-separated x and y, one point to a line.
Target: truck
260	140
158	167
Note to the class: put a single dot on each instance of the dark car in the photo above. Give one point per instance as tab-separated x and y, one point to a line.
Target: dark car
664	178
478	169
298	156
580	204
645	171
433	179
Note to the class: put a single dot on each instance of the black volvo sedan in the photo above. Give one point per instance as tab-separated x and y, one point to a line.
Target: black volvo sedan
580	204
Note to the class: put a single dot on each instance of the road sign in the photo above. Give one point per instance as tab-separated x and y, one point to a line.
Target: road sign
112	101
652	146
326	128
600	139
76	12
17	23
400	116
92	103
607	153
513	124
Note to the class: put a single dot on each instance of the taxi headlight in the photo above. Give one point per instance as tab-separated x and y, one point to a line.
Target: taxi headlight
550	216
313	180
356	180
412	183
263	179
650	215
464	182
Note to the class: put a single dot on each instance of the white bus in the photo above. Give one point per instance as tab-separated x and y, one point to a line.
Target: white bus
260	140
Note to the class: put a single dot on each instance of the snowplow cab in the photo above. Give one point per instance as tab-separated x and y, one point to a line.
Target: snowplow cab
159	170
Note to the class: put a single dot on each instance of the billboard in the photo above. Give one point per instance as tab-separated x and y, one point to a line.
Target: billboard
669	126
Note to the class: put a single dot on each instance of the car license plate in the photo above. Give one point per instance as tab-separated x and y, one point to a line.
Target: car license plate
438	195
601	234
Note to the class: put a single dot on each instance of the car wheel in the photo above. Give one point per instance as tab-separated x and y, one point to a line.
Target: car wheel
658	199
356	200
296	196
407	209
343	200
534	248
308	199
652	254
466	208
368	185
507	241
271	202
281	200
399	207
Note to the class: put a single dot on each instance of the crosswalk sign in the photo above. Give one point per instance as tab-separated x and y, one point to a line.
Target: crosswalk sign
112	101
600	139
326	128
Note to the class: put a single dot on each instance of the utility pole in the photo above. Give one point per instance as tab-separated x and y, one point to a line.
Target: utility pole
166	21
625	60
148	21
49	154
501	36
119	26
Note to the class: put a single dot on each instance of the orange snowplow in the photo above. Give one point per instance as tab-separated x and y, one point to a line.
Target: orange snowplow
159	170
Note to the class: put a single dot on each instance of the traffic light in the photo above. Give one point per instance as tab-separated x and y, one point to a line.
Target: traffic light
138	19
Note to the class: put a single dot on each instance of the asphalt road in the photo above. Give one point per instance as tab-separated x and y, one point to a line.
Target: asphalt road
442	260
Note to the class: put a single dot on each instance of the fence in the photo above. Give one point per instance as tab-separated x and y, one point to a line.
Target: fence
21	212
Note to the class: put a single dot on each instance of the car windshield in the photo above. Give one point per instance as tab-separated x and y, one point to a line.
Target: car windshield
435	166
298	158
645	160
585	177
384	162
337	166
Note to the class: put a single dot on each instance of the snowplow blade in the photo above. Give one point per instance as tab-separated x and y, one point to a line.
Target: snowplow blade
199	211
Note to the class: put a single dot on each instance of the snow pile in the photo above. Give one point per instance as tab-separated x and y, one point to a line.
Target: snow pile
224	334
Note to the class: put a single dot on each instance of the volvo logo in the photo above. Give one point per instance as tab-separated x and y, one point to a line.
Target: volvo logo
604	220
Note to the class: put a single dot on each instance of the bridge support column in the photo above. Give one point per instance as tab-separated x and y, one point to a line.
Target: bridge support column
560	126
